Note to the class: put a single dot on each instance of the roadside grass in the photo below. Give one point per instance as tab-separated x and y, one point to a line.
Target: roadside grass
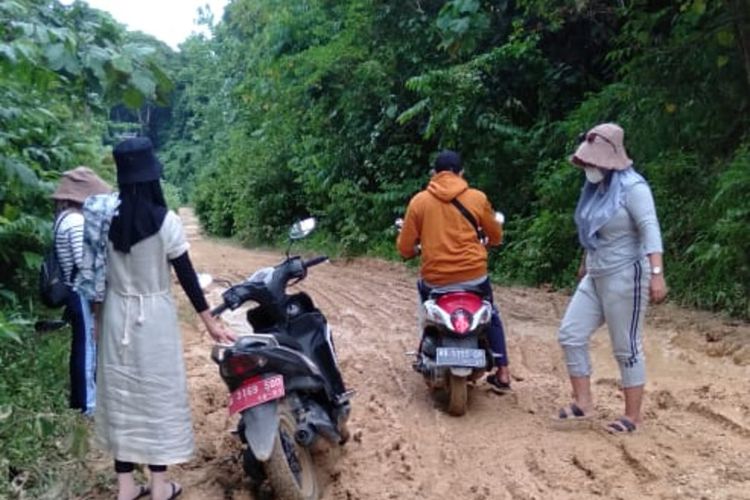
43	443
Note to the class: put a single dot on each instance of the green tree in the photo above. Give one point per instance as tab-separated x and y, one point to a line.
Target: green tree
336	109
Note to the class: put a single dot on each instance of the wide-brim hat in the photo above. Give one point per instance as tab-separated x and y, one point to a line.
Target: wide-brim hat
136	161
603	146
78	184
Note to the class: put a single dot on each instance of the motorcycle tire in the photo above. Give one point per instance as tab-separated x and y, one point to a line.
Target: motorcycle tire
458	395
290	469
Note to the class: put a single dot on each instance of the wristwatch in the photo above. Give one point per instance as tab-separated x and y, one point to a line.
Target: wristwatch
656	270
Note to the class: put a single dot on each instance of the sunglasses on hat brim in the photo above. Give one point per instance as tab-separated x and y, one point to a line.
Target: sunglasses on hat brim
590	137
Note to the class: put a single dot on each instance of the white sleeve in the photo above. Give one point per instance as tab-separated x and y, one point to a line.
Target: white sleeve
173	233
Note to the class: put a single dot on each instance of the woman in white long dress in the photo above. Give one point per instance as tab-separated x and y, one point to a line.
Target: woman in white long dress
143	414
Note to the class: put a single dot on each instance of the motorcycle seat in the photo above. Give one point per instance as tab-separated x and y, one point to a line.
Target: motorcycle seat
288	341
438	292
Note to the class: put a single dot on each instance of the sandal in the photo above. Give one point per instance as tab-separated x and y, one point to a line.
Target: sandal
176	490
572	412
622	425
496	385
143	491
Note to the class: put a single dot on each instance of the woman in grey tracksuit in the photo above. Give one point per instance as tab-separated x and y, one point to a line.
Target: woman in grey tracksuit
622	271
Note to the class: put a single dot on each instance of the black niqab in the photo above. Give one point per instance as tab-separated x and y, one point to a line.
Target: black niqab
140	214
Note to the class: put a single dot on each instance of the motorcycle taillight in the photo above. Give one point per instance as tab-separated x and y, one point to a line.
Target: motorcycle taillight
240	364
461	320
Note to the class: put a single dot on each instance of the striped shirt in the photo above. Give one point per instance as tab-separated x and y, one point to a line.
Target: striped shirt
69	243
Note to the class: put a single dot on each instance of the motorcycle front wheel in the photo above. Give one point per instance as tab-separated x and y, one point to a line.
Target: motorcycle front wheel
458	395
290	469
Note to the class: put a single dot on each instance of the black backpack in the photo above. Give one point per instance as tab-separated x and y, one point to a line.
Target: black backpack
52	288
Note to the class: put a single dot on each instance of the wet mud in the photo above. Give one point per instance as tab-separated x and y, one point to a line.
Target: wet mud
695	441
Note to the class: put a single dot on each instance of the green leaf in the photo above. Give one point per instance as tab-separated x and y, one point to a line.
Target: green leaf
699	7
122	63
7	52
725	38
32	260
413	111
55	55
144	83
14	168
25	49
5	412
8	329
132	98
138	51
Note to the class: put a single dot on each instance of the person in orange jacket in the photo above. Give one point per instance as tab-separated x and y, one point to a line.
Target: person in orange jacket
451	250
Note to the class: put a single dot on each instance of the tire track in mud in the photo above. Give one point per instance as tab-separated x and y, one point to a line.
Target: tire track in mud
694	443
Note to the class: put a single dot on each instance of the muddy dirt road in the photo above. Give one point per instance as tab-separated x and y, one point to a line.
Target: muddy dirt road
695	442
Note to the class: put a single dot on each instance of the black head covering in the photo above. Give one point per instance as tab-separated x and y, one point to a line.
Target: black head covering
136	161
142	206
448	160
140	214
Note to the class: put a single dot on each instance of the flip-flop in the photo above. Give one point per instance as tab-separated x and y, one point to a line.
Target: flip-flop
496	385
143	491
176	490
622	425
571	413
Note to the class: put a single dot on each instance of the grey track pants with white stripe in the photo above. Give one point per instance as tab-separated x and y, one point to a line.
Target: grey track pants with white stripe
620	300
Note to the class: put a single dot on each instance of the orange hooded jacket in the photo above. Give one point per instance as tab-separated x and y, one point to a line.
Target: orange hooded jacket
451	251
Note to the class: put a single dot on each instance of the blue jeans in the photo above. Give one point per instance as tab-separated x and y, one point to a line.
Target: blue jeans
496	332
82	355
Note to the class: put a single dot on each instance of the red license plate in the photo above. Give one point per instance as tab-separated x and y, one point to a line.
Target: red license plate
256	391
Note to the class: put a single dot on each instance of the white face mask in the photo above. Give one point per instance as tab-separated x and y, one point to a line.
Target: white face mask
593	175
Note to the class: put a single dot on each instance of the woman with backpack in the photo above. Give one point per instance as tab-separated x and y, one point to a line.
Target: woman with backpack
75	186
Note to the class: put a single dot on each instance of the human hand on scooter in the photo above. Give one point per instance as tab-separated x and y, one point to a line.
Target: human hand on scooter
218	331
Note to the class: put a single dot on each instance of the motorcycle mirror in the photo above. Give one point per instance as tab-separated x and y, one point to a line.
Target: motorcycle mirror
205	280
302	228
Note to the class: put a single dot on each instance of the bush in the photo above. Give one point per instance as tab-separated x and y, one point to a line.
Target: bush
719	254
42	442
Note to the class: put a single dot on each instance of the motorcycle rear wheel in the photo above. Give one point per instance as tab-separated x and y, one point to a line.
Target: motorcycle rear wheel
458	395
290	469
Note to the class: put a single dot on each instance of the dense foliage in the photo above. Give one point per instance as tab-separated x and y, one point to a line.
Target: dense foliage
63	69
335	108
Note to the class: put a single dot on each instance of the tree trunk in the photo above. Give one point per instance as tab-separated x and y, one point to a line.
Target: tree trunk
739	10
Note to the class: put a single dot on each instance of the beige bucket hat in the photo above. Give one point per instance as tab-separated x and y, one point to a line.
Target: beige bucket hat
78	184
603	147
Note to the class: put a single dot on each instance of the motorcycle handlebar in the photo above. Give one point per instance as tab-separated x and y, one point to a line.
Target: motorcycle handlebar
216	311
314	261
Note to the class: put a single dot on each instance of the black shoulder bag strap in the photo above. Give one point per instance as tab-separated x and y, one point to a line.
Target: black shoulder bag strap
469	217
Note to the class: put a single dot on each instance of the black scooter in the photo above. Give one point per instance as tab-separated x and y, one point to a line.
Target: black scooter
283	379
